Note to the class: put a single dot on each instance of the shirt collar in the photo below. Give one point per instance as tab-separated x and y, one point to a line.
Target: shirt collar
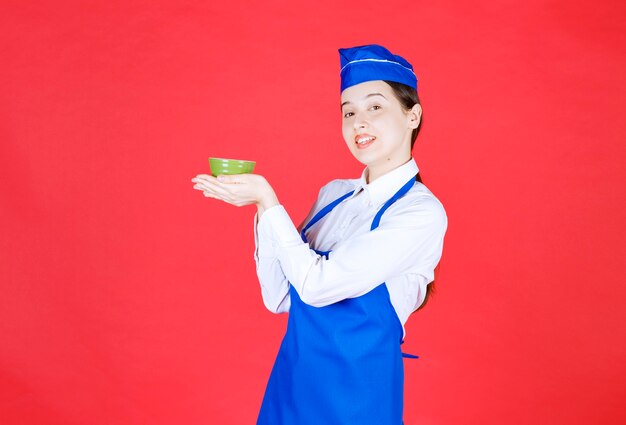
384	187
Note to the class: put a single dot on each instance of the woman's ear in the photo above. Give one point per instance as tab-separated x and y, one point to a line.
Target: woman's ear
415	116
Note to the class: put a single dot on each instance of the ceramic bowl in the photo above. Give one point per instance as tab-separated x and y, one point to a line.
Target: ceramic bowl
230	166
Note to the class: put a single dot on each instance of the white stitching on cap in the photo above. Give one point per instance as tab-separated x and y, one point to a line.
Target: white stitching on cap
376	60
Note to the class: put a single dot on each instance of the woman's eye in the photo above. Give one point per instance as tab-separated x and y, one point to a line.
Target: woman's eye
348	114
375	107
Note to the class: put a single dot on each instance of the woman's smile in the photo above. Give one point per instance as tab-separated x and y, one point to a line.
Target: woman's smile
364	140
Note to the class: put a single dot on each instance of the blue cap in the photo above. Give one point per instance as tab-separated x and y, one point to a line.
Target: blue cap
373	62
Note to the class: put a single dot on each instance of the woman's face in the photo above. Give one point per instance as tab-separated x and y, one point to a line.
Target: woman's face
376	127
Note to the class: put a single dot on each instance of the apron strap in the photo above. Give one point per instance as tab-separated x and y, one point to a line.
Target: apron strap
322	213
328	208
407	355
400	193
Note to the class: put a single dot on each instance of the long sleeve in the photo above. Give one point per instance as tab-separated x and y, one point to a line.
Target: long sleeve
274	283
410	241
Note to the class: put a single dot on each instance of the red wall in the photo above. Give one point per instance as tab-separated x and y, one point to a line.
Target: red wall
129	298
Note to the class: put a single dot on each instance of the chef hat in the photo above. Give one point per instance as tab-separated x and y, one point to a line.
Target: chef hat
373	62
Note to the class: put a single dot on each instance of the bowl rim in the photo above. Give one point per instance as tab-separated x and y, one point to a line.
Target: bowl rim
230	159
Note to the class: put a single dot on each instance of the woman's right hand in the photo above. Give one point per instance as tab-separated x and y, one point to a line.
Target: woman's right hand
238	190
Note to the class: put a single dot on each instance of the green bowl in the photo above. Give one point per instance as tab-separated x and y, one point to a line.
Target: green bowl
230	166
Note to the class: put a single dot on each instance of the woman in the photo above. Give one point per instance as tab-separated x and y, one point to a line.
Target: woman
359	266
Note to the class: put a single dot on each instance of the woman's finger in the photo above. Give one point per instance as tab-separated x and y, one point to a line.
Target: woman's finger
204	178
203	185
233	179
216	190
211	184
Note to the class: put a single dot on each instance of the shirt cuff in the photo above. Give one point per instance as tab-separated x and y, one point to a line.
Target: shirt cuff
276	229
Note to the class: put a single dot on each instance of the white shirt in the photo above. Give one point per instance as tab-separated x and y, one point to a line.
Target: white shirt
402	252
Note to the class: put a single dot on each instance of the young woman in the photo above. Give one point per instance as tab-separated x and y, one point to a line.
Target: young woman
357	267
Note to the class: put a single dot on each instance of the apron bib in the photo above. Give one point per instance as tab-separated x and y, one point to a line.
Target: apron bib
340	364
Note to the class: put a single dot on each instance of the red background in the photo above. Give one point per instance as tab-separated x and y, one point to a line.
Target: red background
129	298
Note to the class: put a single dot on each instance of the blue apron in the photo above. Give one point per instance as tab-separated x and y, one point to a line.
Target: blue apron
340	364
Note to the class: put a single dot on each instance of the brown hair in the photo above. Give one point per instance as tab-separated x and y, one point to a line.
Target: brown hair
407	96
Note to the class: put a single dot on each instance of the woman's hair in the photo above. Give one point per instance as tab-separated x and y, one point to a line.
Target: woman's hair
407	96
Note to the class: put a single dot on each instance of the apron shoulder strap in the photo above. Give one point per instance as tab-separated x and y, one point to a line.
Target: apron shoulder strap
399	194
321	213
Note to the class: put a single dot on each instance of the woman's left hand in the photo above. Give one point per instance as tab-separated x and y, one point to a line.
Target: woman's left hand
238	190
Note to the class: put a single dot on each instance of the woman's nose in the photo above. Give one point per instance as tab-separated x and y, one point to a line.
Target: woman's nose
359	120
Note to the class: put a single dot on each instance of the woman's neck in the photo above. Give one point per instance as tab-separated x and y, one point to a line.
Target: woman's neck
374	172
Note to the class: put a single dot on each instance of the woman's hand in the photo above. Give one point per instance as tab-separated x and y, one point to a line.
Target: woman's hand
238	190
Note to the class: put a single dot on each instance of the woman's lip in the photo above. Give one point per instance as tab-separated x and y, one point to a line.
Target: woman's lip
362	136
366	144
